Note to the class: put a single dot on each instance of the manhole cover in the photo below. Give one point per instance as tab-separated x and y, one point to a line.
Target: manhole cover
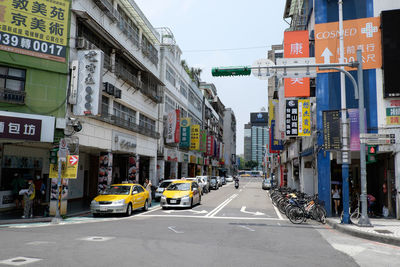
97	238
384	231
19	261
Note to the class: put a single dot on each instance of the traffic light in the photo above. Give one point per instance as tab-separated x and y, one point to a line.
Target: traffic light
54	155
371	154
231	71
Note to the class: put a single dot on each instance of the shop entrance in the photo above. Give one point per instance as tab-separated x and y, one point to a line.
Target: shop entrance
144	164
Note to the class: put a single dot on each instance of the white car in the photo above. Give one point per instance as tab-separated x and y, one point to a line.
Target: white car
161	187
229	178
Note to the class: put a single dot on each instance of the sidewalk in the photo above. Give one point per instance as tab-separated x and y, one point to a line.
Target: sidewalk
383	230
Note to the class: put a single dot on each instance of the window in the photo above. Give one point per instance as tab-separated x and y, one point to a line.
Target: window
105	103
12	79
124	113
147	122
169	104
170	75
184	89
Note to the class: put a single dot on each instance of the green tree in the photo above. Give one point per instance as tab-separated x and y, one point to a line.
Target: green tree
251	164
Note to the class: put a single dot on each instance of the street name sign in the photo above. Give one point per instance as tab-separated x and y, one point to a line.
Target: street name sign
260	68
300	72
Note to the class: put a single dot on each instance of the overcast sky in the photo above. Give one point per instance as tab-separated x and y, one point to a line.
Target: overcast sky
219	25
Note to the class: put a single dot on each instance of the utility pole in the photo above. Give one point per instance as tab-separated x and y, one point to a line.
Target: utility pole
345	137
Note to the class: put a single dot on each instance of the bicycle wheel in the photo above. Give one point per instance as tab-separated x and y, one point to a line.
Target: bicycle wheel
296	215
355	216
320	215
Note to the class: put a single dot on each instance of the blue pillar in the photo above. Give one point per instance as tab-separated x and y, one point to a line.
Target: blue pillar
345	193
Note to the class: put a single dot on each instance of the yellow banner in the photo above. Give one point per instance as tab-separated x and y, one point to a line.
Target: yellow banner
37	28
304	117
393	120
69	169
195	137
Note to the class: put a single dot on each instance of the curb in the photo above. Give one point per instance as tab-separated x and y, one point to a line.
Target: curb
40	219
361	234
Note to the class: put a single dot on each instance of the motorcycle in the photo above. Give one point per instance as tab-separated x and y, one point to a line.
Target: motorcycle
237	184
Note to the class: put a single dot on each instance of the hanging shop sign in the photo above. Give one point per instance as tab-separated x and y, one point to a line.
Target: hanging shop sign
275	145
173	127
298	118
195	137
304	117
364	34
185	133
193	159
331	125
210	145
185	157
203	141
354	129
37	28
296	45
393	116
171	155
22	126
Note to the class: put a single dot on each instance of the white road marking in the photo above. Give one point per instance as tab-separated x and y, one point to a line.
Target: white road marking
34	243
151	210
19	261
350	250
245	227
279	224
243	209
278	213
194	211
204	217
172	228
221	206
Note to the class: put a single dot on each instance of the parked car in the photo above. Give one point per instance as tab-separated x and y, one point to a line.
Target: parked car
198	181
214	183
120	198
205	184
181	193
229	178
266	184
160	189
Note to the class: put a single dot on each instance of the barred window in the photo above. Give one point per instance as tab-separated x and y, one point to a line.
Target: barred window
147	122
123	112
169	104
184	89
12	79
170	75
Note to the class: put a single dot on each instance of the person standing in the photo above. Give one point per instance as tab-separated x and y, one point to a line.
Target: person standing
17	184
148	188
29	196
336	193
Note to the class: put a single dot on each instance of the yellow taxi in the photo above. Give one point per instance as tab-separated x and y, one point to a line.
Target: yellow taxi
181	193
120	198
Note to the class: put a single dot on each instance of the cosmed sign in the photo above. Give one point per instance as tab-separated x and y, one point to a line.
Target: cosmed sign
36	28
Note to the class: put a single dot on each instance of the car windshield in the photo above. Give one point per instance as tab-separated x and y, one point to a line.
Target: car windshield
213	179
164	184
179	187
117	190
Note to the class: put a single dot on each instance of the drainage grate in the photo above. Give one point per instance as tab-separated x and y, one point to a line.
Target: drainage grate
384	231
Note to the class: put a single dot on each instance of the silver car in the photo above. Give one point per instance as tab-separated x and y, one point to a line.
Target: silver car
161	187
229	178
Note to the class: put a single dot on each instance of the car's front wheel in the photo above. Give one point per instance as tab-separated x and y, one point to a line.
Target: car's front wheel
129	210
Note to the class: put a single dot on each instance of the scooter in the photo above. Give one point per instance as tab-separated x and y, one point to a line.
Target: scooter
236	184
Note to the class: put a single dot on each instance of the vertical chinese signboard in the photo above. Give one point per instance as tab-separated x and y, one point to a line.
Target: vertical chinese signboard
210	145
195	137
296	45
36	28
298	117
203	141
331	124
173	127
185	133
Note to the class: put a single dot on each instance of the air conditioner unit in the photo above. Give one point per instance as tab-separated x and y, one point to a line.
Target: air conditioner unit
108	88
117	93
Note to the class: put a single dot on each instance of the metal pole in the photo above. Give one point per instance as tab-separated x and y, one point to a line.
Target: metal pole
364	220
58	218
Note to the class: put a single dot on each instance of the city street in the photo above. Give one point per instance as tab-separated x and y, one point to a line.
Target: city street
232	227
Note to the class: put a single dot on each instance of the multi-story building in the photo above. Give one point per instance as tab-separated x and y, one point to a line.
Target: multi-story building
229	139
319	165
115	94
247	142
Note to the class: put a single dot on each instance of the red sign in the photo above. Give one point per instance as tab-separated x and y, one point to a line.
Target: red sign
178	126
210	145
296	45
73	160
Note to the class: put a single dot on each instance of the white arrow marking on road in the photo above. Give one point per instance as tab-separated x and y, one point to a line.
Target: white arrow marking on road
327	55
243	209
172	228
194	211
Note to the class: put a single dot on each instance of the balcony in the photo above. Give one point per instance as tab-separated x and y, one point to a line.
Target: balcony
108	9
127	76
154	95
126	124
11	96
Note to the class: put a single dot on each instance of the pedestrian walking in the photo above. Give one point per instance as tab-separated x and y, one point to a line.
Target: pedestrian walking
336	194
148	185
29	196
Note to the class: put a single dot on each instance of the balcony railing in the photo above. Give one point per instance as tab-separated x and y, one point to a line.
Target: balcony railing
11	96
129	77
126	124
154	95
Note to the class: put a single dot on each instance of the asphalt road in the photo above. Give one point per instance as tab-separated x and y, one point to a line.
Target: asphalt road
231	227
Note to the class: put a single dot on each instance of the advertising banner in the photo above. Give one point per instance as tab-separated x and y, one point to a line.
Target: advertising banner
393	116
275	145
331	124
173	127
185	133
291	118
210	145
203	141
36	28
304	117
69	169
296	45
105	170
195	137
